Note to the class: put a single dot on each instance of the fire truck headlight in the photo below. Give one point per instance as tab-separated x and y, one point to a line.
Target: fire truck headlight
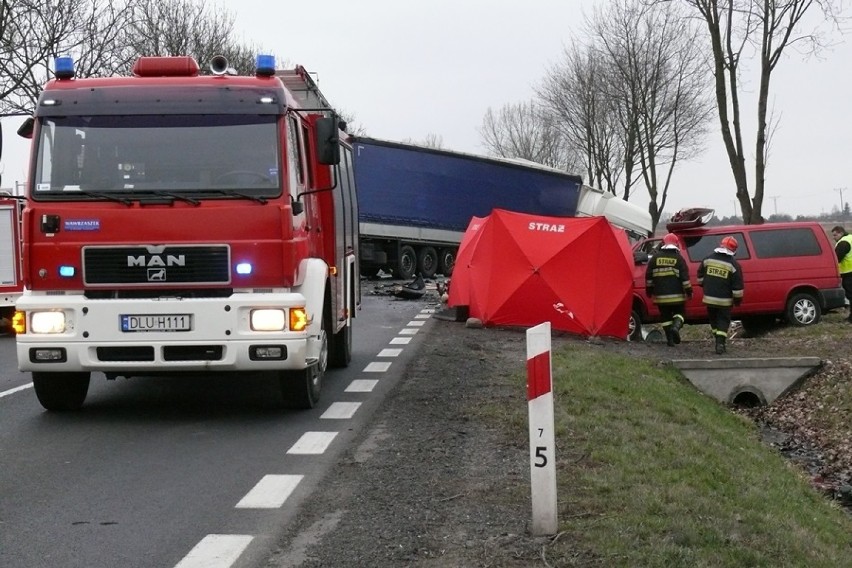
47	322
298	319
268	319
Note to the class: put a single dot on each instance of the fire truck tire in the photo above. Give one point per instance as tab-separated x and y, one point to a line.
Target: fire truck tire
427	262
340	348
301	389
407	263
60	392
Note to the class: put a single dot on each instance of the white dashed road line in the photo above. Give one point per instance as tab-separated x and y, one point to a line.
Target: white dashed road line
216	551
270	492
362	385
341	410
312	443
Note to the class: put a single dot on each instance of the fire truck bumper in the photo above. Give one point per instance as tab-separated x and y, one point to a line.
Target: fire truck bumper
126	337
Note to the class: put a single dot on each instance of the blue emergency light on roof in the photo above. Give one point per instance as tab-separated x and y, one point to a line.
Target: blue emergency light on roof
265	65
64	67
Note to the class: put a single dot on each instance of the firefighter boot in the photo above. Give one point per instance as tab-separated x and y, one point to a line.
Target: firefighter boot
720	345
676	325
669	335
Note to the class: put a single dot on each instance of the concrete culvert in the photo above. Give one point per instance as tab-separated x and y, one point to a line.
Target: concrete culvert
748	398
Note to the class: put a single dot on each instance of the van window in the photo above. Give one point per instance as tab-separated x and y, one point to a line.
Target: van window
699	248
785	242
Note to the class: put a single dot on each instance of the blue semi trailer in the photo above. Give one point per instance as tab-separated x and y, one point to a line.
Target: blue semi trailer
415	202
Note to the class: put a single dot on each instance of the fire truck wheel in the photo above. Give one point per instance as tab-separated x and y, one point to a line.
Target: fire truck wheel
59	392
340	348
407	263
301	389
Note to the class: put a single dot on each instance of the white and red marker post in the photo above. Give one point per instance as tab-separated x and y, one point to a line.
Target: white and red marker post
542	435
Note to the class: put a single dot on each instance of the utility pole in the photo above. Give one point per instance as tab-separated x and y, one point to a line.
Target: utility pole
774	199
842	204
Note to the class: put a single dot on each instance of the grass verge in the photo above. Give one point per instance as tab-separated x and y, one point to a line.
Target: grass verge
653	473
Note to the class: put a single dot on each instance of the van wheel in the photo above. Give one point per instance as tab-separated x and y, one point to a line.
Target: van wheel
802	310
634	327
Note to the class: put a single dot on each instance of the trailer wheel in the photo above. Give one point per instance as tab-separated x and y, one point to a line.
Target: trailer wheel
407	262
427	262
301	389
60	392
446	261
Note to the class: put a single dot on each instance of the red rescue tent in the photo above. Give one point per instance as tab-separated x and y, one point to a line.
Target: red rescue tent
515	269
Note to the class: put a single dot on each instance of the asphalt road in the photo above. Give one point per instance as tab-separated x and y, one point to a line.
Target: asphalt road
175	472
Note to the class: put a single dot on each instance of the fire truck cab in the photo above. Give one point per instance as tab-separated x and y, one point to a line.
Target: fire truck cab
186	222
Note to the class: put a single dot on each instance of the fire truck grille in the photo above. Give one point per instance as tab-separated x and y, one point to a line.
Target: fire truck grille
168	265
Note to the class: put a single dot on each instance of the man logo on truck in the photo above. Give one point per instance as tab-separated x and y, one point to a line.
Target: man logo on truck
157	261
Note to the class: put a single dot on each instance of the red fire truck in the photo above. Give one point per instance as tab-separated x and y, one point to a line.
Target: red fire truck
186	222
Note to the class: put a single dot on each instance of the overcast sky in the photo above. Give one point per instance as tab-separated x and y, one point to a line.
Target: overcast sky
406	70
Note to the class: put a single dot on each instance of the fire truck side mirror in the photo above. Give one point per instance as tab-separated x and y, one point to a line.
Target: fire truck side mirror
26	129
328	141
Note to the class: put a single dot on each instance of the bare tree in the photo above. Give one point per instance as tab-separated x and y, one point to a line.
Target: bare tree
34	32
768	27
526	130
573	94
658	83
187	27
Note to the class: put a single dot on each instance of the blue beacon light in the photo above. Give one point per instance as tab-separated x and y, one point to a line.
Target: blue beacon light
244	268
265	65
66	271
64	67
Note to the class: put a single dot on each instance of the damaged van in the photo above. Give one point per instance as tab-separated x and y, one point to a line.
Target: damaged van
789	271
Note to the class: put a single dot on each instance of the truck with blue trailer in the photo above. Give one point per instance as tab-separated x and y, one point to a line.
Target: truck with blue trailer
415	202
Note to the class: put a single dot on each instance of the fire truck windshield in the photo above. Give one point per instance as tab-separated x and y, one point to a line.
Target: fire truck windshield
200	156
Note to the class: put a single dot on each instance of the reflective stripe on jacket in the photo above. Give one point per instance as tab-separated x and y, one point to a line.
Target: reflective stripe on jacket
667	277
722	279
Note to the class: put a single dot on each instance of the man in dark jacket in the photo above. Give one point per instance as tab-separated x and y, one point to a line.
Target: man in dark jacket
722	279
843	250
667	283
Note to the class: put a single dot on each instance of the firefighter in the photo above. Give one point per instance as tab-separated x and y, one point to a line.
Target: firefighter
722	279
667	283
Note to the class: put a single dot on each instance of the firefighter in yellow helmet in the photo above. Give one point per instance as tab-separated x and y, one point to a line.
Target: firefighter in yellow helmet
722	279
667	283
